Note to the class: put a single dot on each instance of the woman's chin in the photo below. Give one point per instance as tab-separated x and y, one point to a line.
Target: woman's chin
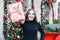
30	19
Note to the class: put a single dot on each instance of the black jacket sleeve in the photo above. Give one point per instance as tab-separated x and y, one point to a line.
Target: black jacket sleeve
41	31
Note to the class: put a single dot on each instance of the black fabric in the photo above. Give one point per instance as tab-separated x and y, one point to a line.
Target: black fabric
30	30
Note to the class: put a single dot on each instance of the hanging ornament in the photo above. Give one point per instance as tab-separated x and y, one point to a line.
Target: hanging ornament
18	37
49	1
32	4
6	0
5	16
57	28
19	29
18	0
8	35
14	37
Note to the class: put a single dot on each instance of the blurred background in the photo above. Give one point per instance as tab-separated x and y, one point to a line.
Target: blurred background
47	12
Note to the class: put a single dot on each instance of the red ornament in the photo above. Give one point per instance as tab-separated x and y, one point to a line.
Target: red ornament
18	0
49	1
14	37
6	0
57	28
5	17
18	37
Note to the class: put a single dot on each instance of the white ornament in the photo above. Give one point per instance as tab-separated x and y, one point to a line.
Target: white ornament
18	36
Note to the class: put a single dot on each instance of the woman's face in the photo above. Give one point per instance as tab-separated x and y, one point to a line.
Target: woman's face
31	15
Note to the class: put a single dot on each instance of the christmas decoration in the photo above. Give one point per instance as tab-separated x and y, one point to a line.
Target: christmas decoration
5	17
49	1
57	28
18	0
52	28
32	4
46	6
10	31
6	0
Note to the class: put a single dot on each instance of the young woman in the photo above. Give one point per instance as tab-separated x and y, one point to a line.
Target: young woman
31	26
